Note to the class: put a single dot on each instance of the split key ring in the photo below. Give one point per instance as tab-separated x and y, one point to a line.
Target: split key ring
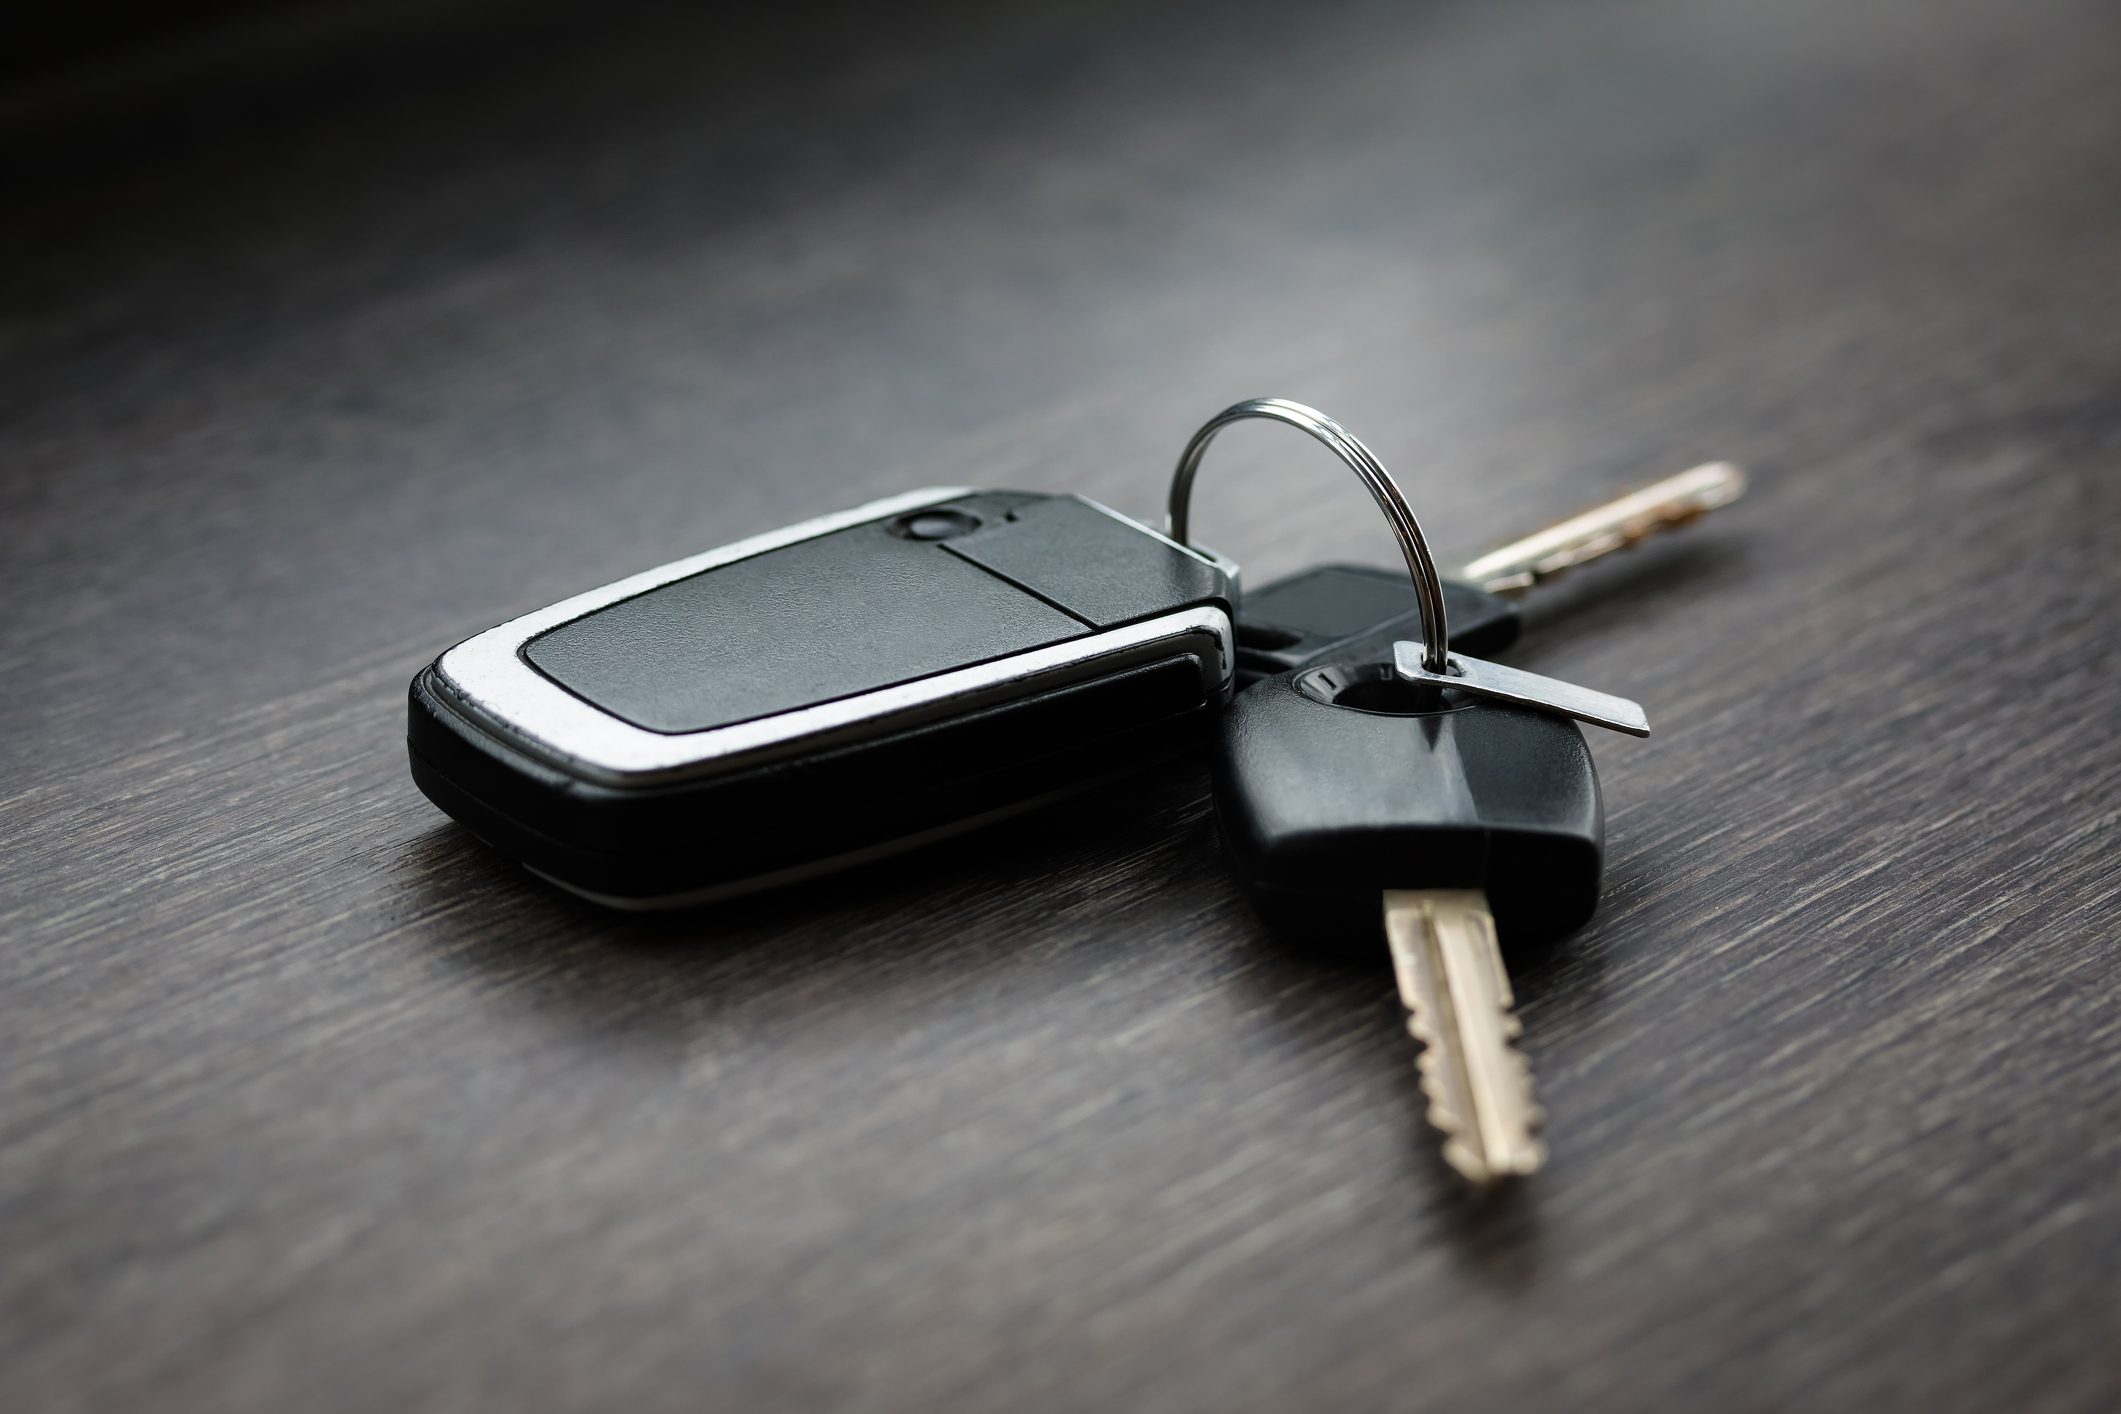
1428	588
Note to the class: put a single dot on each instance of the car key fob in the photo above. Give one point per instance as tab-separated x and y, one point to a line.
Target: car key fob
826	693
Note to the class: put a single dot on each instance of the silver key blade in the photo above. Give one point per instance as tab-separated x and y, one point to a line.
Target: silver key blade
1457	995
1629	520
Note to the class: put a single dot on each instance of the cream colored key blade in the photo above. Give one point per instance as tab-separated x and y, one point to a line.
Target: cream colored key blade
1616	525
1457	994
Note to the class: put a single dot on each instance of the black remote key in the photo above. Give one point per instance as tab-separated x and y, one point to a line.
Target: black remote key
825	694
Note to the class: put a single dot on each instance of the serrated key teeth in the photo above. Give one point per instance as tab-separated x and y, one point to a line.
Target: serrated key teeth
1477	1083
1521	1162
1470	1165
1667	504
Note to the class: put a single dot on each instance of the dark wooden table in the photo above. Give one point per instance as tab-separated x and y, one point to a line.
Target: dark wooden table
331	336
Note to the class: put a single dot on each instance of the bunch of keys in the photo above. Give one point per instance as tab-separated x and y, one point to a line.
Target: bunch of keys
867	682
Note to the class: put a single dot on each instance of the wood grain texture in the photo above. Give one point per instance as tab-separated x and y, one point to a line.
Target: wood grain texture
326	347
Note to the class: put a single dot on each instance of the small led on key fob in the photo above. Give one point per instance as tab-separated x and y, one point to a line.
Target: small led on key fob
825	694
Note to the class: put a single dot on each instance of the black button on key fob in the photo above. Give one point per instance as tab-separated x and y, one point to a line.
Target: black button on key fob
825	693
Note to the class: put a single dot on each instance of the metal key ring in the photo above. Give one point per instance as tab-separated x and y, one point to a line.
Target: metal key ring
1428	588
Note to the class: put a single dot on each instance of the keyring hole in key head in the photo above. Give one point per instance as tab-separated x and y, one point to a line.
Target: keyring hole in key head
1376	688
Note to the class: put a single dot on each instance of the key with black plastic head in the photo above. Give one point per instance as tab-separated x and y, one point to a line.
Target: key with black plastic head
1459	801
1456	791
1341	611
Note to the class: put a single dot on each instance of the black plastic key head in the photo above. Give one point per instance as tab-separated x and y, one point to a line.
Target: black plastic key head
1333	784
1334	613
